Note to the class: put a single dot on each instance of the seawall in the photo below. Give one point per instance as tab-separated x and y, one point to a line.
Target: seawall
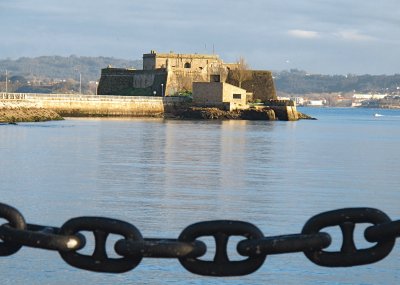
73	105
97	105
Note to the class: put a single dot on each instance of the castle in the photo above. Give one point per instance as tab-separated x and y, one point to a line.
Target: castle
172	74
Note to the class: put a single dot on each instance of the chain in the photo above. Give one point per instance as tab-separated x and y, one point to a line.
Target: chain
188	249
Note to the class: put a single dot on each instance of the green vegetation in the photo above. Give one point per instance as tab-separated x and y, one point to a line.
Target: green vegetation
186	93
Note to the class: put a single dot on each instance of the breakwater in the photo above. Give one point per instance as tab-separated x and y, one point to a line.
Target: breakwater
78	105
96	105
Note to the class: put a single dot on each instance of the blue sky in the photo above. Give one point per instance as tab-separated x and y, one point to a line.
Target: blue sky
325	36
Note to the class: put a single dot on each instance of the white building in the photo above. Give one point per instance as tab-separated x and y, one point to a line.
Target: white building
316	103
362	97
299	101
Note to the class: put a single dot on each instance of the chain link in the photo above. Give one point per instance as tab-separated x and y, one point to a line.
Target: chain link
160	248
189	250
42	237
221	265
349	255
99	260
284	244
383	231
17	221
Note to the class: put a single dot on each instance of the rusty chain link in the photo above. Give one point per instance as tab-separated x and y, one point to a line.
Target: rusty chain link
188	249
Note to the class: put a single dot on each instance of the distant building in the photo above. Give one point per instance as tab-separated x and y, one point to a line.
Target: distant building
299	101
361	97
358	98
316	103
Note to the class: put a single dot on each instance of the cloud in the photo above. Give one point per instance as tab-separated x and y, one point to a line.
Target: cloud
353	35
301	32
304	34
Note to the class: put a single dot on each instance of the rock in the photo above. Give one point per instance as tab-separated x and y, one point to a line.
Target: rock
22	114
206	113
199	113
303	116
258	114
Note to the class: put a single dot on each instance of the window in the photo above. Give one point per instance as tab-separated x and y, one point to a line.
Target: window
188	65
215	78
237	96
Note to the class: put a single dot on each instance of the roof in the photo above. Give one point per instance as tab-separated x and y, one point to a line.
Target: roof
181	55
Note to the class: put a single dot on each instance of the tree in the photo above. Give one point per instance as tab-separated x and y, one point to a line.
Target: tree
241	71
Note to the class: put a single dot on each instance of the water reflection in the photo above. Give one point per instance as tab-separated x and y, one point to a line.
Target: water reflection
170	169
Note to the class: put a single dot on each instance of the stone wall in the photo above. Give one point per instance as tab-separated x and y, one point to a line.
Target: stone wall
183	69
208	94
92	105
129	82
286	113
171	61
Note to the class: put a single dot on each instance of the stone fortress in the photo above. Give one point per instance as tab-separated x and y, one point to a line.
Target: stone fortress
172	74
169	85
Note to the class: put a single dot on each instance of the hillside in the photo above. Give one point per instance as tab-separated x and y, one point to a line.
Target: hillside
62	68
300	82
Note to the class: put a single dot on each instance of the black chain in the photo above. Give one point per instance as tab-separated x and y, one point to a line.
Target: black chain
254	246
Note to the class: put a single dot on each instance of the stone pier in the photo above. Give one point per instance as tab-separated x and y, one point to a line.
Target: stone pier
96	105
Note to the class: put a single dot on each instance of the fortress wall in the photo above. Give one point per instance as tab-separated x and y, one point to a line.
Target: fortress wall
183	79
92	105
131	82
176	73
114	80
173	60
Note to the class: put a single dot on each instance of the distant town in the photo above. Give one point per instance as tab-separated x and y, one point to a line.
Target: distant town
366	100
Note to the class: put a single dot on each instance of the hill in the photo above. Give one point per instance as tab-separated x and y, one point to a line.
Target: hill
300	82
62	68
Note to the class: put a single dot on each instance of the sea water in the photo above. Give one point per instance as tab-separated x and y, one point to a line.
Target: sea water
163	175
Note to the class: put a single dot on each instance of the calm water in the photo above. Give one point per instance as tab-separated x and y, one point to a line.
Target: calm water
162	176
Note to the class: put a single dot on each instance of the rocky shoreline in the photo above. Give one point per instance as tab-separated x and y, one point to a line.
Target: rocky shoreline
26	114
14	112
198	113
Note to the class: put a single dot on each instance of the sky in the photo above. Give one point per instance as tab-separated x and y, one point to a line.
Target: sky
318	36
